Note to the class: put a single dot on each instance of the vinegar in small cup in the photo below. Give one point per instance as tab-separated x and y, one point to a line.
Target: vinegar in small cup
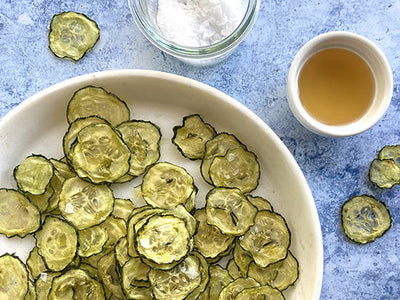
336	86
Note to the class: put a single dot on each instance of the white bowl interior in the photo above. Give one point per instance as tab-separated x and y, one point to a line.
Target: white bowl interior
38	125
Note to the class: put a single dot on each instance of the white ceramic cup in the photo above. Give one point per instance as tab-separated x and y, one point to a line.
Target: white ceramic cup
378	64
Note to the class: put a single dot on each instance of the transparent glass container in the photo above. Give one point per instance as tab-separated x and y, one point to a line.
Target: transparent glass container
145	15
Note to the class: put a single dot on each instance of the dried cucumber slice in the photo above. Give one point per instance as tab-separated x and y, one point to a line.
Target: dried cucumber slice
205	277
43	284
365	218
91	240
166	185
135	281
116	228
390	152
279	275
35	263
178	282
18	216
237	168
266	292
62	172
219	279
96	101
76	284
143	140
107	271
242	259
13	278
33	175
42	201
99	154
384	173
121	251
123	208
31	294
268	239
209	240
181	213
75	127
139	215
85	204
260	203
191	137
57	243
229	210
235	287
163	239
217	146
72	35
233	269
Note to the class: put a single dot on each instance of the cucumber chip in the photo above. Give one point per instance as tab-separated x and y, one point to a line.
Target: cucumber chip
92	101
13	278
268	239
72	35
191	137
365	218
385	173
57	243
18	216
85	204
76	284
229	210
33	175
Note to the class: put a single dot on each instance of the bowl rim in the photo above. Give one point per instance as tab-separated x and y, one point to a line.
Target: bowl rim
305	52
228	100
198	53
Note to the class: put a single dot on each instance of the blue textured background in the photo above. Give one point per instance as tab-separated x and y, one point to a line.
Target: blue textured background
256	76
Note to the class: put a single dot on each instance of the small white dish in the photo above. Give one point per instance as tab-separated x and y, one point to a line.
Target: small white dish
378	64
38	124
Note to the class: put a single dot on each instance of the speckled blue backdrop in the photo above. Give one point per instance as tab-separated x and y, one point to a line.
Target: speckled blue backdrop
255	75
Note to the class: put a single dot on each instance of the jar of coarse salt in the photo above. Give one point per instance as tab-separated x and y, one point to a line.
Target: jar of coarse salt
200	32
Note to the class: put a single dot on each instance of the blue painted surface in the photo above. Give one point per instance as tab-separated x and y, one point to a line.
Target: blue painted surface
256	76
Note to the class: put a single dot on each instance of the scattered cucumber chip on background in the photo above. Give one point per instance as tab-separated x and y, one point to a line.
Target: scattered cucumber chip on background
72	34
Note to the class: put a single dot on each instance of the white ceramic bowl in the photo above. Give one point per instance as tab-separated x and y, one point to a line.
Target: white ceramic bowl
39	123
365	49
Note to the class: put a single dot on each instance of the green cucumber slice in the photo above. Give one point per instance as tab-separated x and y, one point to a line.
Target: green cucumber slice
143	140
279	275
384	173
166	185
13	278
76	284
365	218
96	101
85	204
99	154
229	210
18	216
191	137
57	243
268	239
72	35
238	168
33	175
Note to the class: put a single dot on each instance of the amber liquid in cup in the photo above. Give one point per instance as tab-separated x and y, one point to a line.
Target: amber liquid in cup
336	86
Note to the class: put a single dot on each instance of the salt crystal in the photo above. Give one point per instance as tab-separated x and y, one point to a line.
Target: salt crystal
69	208
197	23
43	277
